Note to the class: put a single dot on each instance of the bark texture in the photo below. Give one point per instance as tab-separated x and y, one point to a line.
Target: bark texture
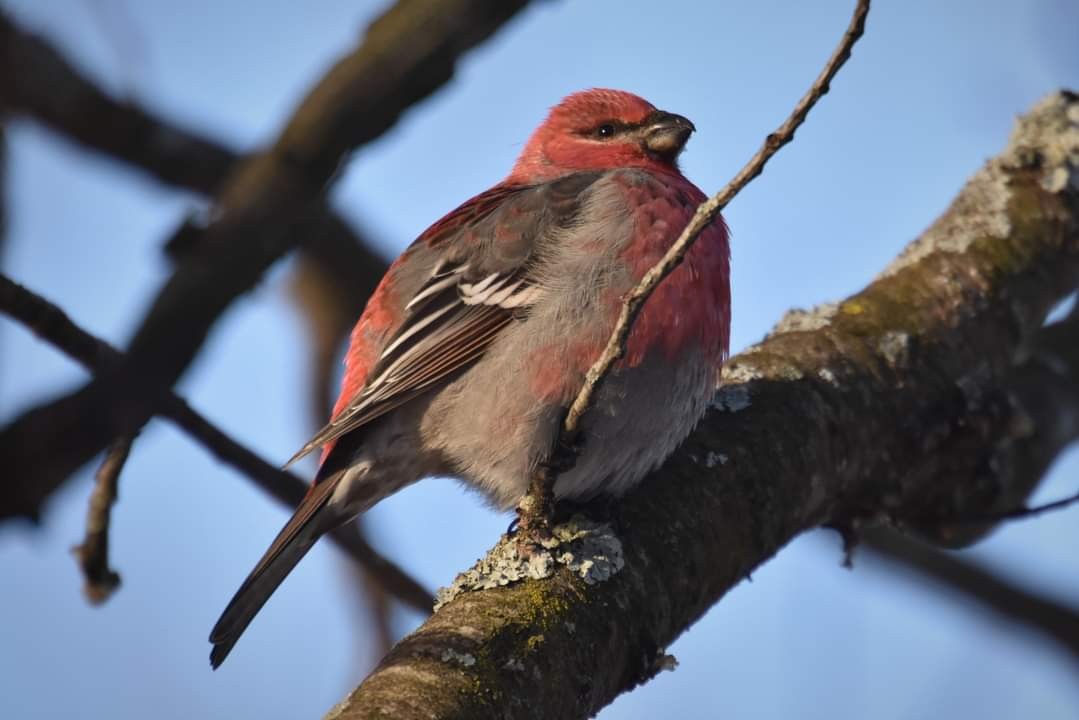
898	405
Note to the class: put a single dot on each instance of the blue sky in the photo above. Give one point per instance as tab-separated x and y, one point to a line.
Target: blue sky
931	92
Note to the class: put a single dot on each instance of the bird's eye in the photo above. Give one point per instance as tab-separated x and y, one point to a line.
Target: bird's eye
605	130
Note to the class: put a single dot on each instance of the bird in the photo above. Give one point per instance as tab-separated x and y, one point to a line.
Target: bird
480	334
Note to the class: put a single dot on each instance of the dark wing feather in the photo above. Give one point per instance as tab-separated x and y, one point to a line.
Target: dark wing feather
480	284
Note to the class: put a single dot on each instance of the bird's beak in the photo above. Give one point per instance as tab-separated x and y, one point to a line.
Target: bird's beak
665	133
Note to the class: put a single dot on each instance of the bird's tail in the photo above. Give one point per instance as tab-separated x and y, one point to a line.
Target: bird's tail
307	524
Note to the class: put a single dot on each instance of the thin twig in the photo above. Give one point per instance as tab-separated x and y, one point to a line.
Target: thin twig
93	553
707	212
51	324
541	489
1022	512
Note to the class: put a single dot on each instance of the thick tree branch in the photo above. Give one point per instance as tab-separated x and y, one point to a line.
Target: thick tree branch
1024	422
850	414
50	323
264	209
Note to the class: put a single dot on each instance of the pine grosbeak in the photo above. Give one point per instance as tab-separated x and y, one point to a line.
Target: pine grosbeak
481	332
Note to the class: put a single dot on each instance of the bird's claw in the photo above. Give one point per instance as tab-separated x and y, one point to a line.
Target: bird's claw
533	541
564	454
531	529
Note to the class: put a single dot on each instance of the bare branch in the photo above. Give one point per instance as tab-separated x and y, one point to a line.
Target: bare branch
35	79
1056	621
706	214
262	212
541	489
93	553
330	310
866	410
50	323
377	607
1025	513
3	184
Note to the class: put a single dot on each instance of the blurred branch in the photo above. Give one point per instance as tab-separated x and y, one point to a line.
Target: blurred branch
373	602
339	268
93	553
50	323
264	209
330	313
1057	621
3	186
37	81
867	410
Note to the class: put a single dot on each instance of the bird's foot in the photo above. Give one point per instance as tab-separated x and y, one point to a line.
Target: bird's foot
536	511
533	543
531	529
564	454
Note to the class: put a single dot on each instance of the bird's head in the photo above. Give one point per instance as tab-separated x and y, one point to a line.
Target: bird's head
601	130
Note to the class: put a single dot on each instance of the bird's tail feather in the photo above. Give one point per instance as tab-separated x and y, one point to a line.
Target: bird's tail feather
305	526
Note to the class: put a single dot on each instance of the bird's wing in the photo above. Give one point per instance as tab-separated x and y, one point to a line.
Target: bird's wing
476	279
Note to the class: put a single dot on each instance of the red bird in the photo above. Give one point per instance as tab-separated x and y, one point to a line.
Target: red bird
481	333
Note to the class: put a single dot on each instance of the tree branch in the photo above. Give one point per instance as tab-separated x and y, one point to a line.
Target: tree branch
541	490
93	553
37	80
263	210
1056	621
853	413
50	323
1026	422
3	184
330	312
